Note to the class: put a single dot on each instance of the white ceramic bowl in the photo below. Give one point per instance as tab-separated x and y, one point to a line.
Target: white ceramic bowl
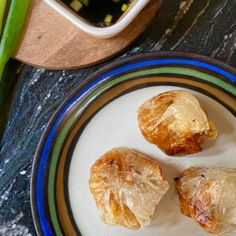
106	32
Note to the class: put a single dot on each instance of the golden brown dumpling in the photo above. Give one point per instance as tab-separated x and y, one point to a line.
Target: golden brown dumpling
127	186
209	197
175	122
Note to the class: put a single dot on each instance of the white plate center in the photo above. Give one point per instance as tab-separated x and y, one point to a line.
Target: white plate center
116	125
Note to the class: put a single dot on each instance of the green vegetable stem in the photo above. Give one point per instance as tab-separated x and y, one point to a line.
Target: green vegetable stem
2	12
11	34
11	31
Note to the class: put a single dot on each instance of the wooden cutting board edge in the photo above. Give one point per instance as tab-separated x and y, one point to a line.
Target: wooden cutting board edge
28	50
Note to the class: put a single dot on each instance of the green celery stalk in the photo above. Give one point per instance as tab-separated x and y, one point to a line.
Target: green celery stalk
11	34
2	13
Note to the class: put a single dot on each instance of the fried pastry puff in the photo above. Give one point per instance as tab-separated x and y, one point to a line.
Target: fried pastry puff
176	123
209	197
127	187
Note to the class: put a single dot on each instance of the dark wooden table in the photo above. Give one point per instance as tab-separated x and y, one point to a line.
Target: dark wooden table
206	27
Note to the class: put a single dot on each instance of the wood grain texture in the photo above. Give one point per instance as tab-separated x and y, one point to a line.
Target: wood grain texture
53	42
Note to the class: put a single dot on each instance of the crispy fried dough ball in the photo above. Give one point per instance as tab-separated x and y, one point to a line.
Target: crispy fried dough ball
208	195
176	123
127	186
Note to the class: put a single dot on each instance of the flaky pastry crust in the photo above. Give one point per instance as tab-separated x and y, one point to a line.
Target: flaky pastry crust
176	123
127	186
208	195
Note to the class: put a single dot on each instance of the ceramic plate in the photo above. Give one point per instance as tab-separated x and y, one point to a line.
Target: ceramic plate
102	114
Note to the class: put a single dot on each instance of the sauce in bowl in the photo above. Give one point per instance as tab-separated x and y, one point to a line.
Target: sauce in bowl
101	13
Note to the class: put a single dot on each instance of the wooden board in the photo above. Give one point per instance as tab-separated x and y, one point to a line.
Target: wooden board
53	42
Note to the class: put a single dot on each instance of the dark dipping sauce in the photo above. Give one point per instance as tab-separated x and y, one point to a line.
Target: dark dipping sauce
101	13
